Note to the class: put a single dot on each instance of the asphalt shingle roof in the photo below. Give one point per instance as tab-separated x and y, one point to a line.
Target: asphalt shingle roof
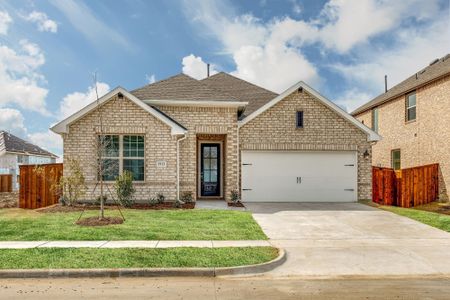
181	87
243	90
435	70
13	143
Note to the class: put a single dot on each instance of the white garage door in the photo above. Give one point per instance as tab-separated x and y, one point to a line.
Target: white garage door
320	176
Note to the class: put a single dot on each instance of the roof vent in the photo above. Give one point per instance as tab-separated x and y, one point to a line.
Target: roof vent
434	61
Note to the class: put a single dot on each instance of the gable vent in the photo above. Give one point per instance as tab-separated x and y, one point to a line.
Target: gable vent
434	61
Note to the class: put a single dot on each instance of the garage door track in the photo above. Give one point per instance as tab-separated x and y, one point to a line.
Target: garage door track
351	239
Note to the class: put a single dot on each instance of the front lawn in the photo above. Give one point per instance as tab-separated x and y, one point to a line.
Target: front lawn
420	213
27	225
79	258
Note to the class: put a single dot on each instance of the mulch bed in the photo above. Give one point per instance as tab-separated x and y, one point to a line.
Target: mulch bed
237	204
96	221
80	207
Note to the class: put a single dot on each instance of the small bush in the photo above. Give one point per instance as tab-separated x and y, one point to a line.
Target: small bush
124	189
186	197
160	198
234	195
153	201
178	204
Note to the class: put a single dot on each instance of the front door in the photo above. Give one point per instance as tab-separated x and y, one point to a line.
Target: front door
210	169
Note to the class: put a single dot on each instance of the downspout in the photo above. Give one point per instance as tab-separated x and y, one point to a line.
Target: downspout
178	165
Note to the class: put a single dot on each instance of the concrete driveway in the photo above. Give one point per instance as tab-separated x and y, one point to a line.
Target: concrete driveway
351	239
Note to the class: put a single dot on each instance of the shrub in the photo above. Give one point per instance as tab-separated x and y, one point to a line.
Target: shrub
160	198
234	195
153	201
124	189
178	204
186	197
72	186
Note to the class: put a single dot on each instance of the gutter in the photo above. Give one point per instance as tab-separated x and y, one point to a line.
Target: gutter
178	165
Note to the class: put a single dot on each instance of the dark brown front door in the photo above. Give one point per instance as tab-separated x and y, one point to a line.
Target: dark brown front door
210	169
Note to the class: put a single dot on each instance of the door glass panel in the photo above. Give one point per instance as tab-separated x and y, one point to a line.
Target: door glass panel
213	176
214	152
206	152
213	163
206	176
206	164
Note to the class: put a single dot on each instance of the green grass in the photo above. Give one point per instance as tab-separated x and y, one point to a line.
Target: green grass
74	258
430	218
26	225
441	221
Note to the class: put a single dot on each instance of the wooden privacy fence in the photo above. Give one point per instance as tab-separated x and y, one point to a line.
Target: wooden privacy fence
5	183
407	187
37	185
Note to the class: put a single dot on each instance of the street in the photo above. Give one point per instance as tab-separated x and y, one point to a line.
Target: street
225	288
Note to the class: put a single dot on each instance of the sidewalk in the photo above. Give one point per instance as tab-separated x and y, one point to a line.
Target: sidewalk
131	244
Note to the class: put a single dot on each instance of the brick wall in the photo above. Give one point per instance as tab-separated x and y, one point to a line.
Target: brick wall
423	141
125	117
275	129
201	121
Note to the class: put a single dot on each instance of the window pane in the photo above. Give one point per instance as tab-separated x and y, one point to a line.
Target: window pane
109	169
213	152
133	146
206	152
411	100
412	113
213	176
375	119
109	145
299	119
136	167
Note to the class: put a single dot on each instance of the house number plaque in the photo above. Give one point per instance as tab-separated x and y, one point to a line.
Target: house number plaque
161	164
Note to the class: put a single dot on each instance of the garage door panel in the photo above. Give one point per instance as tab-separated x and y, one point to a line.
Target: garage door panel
271	176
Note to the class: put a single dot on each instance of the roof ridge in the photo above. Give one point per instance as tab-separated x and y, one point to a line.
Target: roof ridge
162	80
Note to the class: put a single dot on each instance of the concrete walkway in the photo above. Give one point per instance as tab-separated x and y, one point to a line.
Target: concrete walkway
351	239
130	244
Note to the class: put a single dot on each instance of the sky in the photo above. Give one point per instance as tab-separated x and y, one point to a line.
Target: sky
50	50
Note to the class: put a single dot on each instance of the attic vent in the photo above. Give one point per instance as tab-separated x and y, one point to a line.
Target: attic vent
434	61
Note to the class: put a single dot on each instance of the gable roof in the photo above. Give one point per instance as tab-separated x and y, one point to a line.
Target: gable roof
437	69
12	143
63	126
240	89
181	87
371	135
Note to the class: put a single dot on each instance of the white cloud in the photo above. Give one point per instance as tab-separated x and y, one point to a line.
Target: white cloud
414	49
94	29
42	21
12	121
272	53
73	102
352	99
296	7
19	77
150	79
195	67
5	20
47	140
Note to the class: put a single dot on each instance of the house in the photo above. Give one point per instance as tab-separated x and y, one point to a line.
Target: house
15	151
413	118
223	134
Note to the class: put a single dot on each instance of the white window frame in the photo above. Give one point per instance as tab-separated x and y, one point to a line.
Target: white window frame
121	157
407	108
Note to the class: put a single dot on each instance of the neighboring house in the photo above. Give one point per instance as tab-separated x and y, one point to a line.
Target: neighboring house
413	118
14	152
220	134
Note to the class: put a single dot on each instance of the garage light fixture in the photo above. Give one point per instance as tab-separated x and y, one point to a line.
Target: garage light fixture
366	154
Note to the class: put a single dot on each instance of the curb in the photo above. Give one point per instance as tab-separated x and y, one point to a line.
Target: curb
146	272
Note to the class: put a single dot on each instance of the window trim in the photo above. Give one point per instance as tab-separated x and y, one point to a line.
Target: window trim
301	112
392	159
407	108
375	109
121	156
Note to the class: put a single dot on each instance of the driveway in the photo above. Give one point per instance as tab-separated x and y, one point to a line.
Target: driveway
351	239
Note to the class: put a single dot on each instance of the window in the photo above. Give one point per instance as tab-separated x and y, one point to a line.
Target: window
121	153
375	119
395	159
410	107
299	119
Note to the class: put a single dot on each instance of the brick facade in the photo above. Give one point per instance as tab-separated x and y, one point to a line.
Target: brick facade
272	130
324	129
423	141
